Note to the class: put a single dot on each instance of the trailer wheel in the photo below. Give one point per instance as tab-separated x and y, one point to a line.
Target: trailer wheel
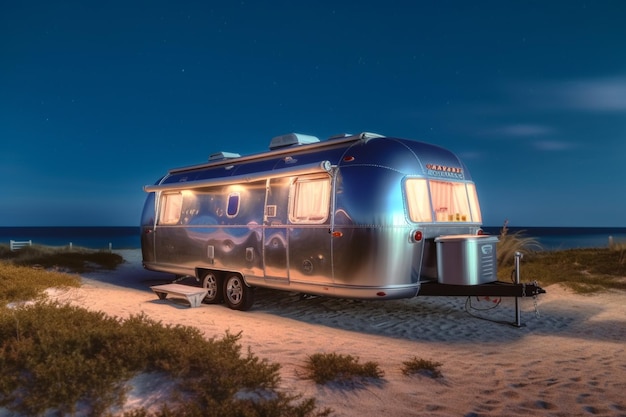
237	294
211	282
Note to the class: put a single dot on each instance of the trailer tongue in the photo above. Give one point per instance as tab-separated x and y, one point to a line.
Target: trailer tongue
492	289
515	289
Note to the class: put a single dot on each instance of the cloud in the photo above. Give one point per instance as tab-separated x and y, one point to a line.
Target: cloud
608	94
552	145
603	94
519	131
537	135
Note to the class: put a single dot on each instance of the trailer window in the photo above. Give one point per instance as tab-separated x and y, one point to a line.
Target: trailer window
171	206
418	200
233	205
451	202
309	200
474	206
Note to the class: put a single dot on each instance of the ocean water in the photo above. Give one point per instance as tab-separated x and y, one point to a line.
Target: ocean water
550	238
88	237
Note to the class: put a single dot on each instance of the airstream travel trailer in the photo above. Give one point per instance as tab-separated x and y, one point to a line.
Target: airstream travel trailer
356	216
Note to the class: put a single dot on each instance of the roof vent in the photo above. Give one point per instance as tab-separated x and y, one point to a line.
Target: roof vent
291	139
218	156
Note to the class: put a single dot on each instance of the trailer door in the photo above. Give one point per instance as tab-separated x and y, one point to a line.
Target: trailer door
310	241
275	242
147	229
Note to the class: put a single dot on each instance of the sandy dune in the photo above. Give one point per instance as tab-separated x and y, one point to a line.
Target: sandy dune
569	361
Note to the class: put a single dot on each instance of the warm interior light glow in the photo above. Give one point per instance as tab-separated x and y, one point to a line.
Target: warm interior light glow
310	200
418	200
171	206
473	201
451	201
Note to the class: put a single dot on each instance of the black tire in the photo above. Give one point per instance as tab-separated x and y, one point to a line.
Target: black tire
238	295
212	282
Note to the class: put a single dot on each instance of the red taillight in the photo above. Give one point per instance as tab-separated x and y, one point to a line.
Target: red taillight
348	158
381	293
418	236
481	232
337	234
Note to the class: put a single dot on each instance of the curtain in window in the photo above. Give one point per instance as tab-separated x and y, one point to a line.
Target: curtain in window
450	201
418	200
171	206
311	201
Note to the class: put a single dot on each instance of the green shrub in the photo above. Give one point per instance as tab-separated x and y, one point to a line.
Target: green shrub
18	283
332	367
61	258
582	270
54	357
423	367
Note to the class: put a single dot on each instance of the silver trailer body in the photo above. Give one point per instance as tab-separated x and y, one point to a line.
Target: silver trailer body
354	216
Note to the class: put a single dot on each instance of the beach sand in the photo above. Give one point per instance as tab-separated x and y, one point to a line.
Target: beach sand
569	361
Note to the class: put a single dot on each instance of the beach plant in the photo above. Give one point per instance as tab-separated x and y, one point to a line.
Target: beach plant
61	258
509	244
55	358
422	367
582	270
619	247
19	283
332	367
585	271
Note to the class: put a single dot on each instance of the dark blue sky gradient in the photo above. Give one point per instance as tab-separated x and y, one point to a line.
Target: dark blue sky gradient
98	99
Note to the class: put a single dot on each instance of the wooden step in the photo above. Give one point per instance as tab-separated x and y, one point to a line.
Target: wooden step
194	295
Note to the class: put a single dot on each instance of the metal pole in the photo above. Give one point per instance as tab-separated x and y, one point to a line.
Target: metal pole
518	315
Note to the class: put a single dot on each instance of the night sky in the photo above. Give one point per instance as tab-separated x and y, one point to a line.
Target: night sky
98	99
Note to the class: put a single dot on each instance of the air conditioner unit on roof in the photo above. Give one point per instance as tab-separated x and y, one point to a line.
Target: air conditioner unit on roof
223	155
291	139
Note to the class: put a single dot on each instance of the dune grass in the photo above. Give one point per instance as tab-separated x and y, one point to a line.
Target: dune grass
509	244
586	270
60	359
421	366
61	258
332	367
19	283
582	270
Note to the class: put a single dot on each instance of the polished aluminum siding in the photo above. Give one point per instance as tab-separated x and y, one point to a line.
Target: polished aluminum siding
363	249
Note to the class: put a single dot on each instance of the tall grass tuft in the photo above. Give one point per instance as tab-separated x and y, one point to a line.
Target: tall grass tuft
619	247
508	244
332	367
422	367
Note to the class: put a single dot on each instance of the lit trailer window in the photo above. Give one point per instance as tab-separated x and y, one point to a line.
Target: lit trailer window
442	201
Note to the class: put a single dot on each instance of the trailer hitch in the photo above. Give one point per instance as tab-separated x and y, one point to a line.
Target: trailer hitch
515	289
